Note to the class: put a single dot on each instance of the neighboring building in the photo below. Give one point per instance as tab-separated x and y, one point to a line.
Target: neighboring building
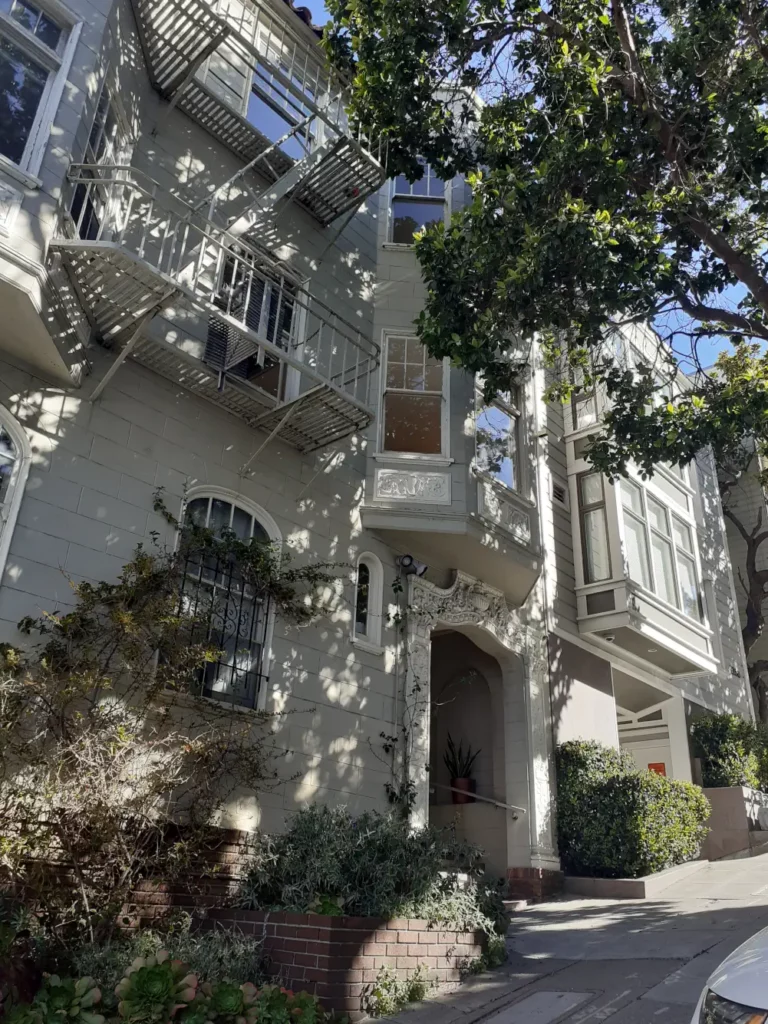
207	285
747	503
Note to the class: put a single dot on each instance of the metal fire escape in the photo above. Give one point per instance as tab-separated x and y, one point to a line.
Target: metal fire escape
230	64
266	349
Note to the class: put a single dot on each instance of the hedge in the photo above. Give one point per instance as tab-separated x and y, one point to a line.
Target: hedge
617	821
733	751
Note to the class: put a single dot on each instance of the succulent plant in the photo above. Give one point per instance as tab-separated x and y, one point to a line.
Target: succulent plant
154	989
20	1013
227	1003
63	1000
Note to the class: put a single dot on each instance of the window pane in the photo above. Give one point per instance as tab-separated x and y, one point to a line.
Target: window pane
221	513
663	569
591	489
396	349
682	535
48	32
22	82
689	586
26	14
411	215
6	469
636	550
496	432
434	375
361	599
586	411
412	423
631	497
657	516
241	523
197	511
596	555
395	374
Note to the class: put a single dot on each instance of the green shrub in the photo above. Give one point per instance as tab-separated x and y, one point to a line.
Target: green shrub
390	993
615	821
733	751
373	865
214	955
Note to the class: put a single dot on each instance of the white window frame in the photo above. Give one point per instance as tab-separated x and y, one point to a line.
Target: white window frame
515	412
438	458
276	537
58	65
393	195
687	520
370	640
9	510
599	506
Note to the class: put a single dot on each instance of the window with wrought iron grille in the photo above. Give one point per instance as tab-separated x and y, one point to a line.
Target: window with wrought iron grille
32	40
229	612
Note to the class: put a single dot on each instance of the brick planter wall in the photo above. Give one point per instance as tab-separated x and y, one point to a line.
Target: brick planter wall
337	958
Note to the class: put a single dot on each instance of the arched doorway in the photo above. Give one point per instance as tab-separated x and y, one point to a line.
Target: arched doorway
480	615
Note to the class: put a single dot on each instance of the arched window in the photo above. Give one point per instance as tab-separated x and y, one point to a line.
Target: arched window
14	467
368	601
231	613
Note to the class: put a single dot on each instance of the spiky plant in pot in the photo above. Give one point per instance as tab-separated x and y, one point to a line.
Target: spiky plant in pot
154	989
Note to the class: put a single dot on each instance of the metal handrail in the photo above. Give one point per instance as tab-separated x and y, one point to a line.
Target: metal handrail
199	259
482	799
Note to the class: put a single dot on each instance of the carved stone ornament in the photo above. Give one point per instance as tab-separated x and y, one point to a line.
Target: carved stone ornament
470	602
413	485
505	513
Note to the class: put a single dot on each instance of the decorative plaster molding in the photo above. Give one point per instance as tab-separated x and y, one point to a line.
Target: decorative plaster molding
506	513
10	203
413	485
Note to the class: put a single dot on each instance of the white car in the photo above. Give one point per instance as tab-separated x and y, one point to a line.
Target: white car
737	992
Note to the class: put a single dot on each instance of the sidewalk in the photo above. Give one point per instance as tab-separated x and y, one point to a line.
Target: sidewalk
631	961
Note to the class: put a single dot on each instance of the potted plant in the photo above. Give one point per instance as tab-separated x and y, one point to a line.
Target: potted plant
459	764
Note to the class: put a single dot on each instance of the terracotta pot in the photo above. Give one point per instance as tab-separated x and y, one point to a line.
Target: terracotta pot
468	787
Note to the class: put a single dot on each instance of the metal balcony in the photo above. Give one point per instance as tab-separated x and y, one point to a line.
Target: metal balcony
233	64
266	350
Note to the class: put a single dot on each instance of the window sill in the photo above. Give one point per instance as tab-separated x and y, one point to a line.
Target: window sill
425	460
401	246
366	645
14	171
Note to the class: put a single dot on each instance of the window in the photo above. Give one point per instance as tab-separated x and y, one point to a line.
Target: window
659	550
14	466
362	598
413	398
594	528
416	206
497	439
30	41
105	144
230	613
261	299
369	586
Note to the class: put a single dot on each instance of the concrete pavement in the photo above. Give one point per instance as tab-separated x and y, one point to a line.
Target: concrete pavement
636	962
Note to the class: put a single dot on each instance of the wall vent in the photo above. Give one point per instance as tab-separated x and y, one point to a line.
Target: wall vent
560	493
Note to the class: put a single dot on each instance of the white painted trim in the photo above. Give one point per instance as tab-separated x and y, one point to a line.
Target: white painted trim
236	498
371	639
17	483
14	171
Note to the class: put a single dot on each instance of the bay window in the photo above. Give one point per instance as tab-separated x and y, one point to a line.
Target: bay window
594	528
497	438
413	398
659	549
31	40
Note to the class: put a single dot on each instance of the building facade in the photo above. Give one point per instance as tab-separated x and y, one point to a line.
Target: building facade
208	286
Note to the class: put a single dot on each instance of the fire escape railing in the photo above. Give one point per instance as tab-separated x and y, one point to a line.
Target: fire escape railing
175	251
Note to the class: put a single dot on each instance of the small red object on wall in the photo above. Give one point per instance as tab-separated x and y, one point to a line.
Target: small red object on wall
659	767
